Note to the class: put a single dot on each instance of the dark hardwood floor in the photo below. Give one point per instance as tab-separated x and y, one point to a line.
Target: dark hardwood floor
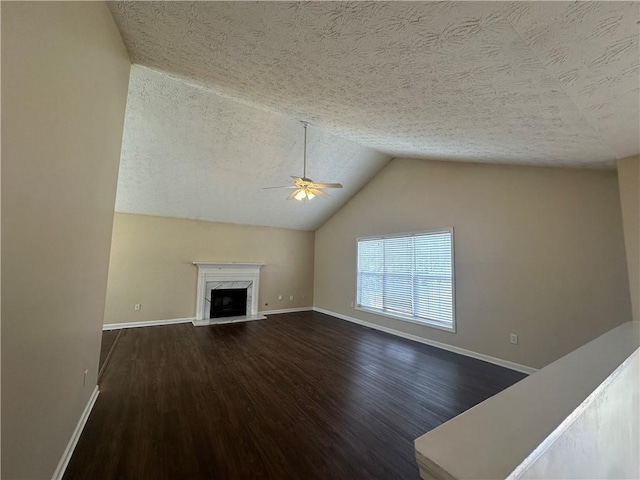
297	396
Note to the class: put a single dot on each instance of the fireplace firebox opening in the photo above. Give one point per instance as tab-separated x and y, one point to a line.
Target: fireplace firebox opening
228	302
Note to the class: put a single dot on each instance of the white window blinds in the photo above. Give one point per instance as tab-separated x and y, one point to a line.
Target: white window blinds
408	276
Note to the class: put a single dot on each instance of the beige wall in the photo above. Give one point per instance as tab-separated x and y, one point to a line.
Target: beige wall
539	252
64	86
629	180
152	264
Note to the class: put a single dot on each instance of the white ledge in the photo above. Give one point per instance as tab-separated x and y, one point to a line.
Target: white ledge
493	438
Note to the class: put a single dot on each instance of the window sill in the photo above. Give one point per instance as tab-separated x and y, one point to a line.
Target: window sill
424	323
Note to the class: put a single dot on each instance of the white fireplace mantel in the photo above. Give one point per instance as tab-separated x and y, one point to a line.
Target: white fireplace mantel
227	272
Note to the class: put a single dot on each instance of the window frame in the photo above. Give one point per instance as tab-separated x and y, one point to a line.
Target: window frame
406	318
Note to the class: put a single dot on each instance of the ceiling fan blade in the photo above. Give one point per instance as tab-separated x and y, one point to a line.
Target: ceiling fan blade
319	193
327	185
268	188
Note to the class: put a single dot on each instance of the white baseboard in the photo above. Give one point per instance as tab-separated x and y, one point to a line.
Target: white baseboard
462	351
286	310
68	452
172	321
149	323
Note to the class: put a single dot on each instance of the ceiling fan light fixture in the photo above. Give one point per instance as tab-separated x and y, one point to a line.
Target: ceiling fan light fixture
303	194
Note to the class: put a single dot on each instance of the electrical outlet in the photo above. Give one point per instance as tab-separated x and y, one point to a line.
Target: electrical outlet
351	304
279	297
84	378
137	307
290	297
513	338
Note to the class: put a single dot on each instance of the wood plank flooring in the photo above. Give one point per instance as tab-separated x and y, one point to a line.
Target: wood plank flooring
297	396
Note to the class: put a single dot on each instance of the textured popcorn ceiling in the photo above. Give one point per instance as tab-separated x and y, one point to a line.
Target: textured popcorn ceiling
543	83
538	83
188	152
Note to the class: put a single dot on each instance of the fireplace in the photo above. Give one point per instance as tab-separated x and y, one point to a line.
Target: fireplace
228	302
217	296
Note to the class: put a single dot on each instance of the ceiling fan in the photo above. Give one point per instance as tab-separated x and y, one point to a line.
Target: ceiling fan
304	189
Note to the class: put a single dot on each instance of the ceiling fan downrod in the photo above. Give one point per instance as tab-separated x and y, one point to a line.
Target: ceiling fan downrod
304	166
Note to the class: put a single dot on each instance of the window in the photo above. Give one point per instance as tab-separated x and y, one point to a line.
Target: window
408	276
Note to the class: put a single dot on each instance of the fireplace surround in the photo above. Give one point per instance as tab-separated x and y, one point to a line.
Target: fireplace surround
226	276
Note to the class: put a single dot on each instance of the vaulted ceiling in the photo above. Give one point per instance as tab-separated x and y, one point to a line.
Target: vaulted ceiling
214	116
188	152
